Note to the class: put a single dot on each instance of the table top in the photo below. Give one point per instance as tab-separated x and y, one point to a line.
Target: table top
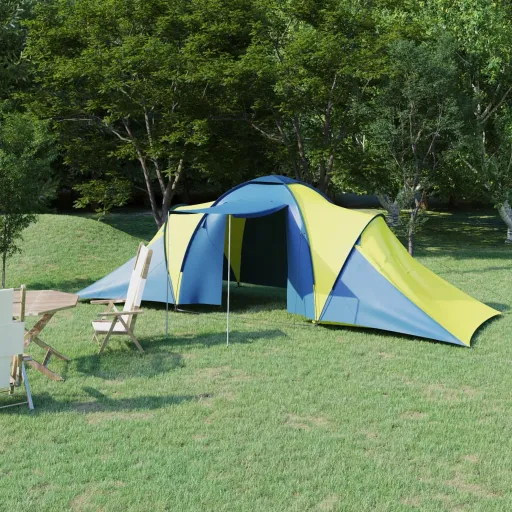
39	302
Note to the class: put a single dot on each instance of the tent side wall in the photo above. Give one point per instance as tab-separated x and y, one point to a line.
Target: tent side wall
457	312
332	232
115	284
363	297
178	232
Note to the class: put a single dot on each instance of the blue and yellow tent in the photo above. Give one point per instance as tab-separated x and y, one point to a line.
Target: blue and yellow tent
339	266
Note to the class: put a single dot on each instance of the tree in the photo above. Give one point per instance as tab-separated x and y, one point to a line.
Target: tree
27	149
111	191
415	121
118	67
12	40
483	31
305	65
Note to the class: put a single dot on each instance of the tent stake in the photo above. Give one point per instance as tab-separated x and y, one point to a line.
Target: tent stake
229	277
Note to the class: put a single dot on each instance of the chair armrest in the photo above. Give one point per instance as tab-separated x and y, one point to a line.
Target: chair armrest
106	301
121	313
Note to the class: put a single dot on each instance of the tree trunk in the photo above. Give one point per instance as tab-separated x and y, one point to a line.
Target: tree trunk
410	239
4	260
169	193
393	209
412	223
505	211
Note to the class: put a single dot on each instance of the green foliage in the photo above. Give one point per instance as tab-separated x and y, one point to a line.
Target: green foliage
27	149
138	71
304	67
104	194
483	31
415	118
12	39
415	122
221	91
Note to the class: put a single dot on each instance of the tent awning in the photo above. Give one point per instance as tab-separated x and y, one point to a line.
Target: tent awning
242	209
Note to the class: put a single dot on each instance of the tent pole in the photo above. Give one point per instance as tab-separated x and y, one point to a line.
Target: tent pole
168	285
229	278
167	310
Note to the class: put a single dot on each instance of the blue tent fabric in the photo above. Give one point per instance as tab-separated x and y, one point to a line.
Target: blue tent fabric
203	275
240	209
363	297
115	284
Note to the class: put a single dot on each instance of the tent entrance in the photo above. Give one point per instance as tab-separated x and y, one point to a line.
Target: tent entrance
259	252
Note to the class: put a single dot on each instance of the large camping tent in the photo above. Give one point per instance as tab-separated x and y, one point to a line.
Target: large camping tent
339	266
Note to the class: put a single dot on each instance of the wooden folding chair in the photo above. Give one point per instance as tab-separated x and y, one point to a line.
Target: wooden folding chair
12	366
123	322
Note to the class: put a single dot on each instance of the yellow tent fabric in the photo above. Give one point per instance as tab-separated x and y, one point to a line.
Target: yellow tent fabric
237	235
454	310
179	234
332	232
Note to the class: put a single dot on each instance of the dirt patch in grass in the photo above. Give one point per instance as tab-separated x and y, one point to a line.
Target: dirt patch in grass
307	422
475	489
220	373
414	501
83	502
212	417
413	415
439	392
370	434
329	503
472	458
99	417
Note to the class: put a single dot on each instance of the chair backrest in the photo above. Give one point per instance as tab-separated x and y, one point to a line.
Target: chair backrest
11	337
20	295
137	281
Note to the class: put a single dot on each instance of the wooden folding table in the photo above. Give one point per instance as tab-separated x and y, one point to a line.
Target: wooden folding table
43	303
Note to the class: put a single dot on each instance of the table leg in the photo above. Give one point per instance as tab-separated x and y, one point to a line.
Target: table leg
44	370
38	327
32	335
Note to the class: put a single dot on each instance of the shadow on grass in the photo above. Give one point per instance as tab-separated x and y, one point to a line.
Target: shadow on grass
45	402
475	339
116	365
393	336
458	234
120	363
255	298
498	306
189	339
478	336
69	286
141	225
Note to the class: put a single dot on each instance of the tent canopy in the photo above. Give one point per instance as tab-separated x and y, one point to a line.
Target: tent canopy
239	209
338	266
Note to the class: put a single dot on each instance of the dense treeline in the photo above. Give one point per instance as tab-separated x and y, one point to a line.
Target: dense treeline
403	99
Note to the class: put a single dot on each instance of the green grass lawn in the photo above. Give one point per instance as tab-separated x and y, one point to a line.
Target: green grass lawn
290	417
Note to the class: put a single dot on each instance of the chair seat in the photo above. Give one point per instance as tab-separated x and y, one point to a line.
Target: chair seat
103	326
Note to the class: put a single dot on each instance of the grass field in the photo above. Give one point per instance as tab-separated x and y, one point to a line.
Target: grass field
290	417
